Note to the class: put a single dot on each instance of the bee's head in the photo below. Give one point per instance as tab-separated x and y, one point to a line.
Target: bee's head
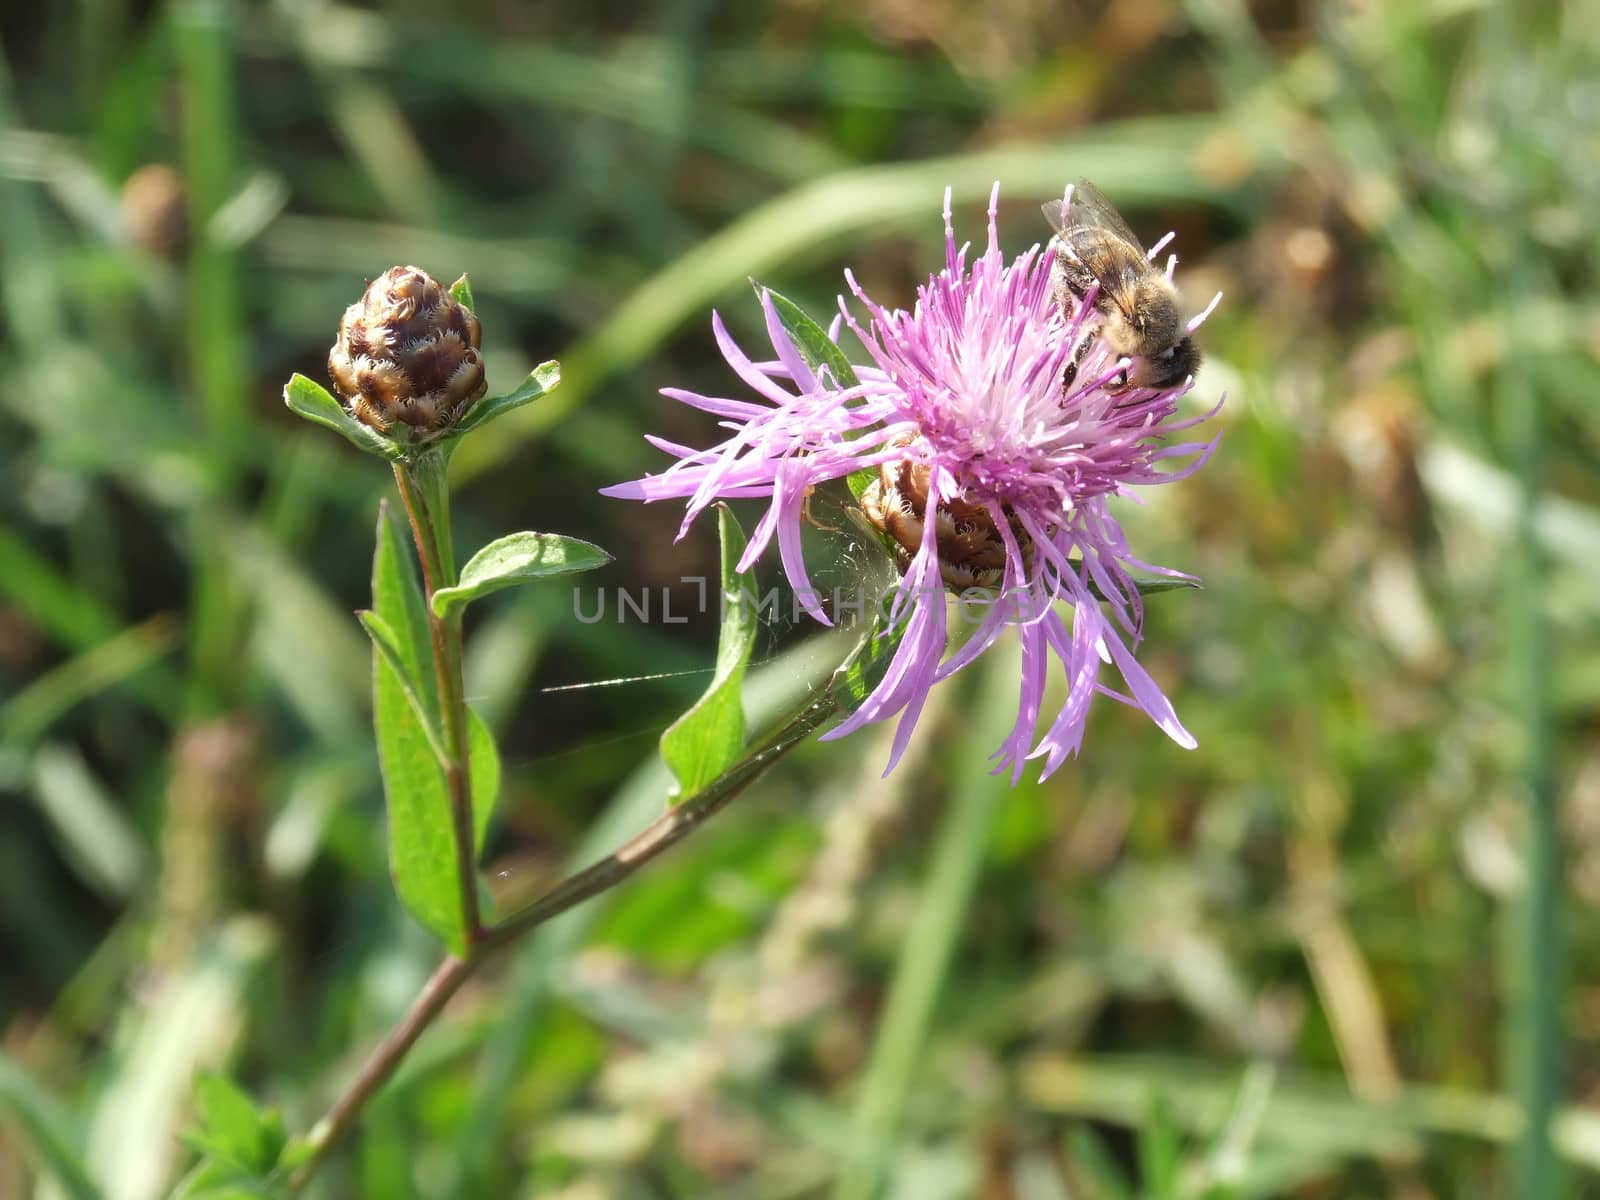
1169	368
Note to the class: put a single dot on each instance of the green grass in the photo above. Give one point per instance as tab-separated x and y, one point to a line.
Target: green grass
1264	966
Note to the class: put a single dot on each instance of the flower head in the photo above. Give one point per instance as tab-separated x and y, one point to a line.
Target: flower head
961	410
408	353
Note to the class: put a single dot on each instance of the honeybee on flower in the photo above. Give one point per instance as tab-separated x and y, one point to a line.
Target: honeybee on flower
959	406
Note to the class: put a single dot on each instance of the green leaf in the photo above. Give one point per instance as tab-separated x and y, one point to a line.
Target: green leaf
232	1129
545	377
819	351
316	404
461	293
1160	1152
213	1180
514	559
299	1151
706	740
422	857
483	758
811	339
387	644
868	663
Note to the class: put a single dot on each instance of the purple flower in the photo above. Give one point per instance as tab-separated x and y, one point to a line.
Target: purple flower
961	410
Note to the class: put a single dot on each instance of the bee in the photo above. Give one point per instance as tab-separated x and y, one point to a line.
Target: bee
1140	315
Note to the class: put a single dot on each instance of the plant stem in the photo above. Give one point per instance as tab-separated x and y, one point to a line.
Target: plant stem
661	835
445	981
425	495
667	830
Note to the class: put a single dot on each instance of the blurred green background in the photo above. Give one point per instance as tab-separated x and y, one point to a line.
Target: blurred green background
1322	956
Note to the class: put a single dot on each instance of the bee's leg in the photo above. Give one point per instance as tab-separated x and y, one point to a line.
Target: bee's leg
810	518
1070	375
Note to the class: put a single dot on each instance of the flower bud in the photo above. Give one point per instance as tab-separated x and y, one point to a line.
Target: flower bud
408	353
152	213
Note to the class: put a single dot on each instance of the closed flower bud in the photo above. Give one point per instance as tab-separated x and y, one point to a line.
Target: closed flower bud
152	213
407	354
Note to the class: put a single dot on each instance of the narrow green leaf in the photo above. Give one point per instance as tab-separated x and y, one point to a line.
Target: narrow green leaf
149	1088
484	761
398	602
545	377
928	949
315	403
1160	1151
811	339
44	1130
103	666
515	558
819	351
387	644
422	855
461	293
232	1129
706	740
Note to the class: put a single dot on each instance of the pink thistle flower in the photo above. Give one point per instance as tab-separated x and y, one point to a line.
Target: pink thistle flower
962	410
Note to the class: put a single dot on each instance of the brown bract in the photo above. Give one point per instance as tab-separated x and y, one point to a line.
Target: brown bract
408	353
971	551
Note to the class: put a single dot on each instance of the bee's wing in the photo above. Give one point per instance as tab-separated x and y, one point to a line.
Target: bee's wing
1099	239
1053	212
1089	209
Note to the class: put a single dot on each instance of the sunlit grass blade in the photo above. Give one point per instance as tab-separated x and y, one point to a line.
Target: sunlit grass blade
1313	1114
1134	159
899	1044
98	837
193	1018
106	665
